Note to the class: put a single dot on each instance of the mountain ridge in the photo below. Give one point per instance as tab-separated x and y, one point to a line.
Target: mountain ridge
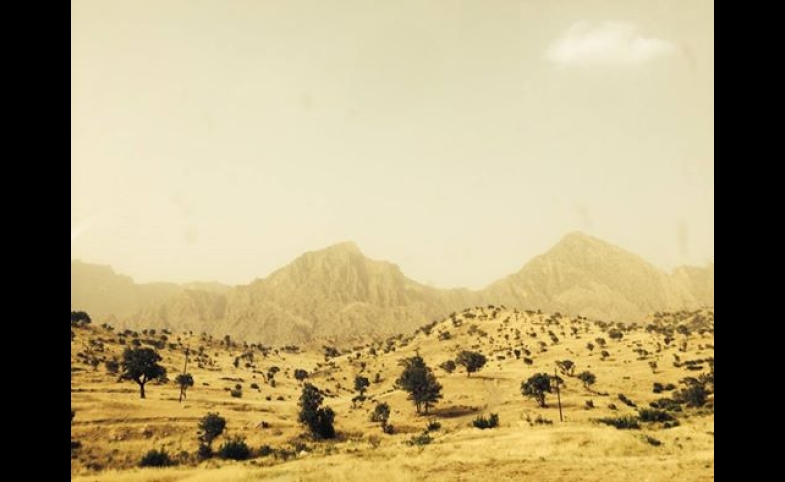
338	292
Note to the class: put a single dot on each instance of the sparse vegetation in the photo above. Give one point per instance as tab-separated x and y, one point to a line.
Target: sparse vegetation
484	423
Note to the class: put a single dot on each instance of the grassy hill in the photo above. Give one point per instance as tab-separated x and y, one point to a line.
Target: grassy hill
115	428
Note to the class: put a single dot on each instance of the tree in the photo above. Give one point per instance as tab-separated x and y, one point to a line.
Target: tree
210	427
418	379
361	384
536	387
300	374
319	420
588	379
471	360
615	334
80	318
567	367
381	414
141	365
185	381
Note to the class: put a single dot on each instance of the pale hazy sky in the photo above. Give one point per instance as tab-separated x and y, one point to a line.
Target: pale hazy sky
218	140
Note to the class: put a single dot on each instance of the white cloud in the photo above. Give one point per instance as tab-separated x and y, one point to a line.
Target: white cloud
607	43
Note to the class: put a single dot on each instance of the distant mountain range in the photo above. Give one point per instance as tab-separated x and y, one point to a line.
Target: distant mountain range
339	293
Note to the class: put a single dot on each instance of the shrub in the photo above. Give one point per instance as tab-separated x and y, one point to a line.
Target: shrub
235	393
204	452
433	425
483	423
627	401
654	415
666	404
651	441
448	366
234	449
692	396
540	420
266	450
112	366
255	386
156	458
621	423
419	440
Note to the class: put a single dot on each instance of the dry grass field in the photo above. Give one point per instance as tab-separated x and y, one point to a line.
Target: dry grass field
114	428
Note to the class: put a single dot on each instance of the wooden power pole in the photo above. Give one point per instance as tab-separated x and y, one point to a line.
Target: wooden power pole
185	369
558	395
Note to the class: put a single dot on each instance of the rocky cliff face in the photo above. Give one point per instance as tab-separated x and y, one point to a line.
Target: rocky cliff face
338	293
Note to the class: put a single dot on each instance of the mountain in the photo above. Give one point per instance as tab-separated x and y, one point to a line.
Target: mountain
339	293
336	292
101	292
584	275
699	281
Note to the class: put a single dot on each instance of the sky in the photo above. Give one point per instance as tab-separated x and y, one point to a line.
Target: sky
220	139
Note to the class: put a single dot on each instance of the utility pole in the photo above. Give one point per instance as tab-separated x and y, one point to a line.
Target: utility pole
185	368
558	394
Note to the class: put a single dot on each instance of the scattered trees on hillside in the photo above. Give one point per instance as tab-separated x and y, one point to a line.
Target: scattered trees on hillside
536	387
319	420
471	360
418	379
141	365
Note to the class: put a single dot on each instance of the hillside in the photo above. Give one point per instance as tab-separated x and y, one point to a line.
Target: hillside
113	428
337	292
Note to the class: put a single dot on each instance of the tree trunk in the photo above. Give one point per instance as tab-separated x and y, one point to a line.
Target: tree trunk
141	390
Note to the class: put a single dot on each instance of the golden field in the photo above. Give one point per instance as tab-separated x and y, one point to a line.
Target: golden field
115	428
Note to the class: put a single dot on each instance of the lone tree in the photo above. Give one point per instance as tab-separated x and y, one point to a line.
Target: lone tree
80	318
536	387
381	414
300	374
319	420
361	384
210	427
471	360
588	379
184	381
141	365
567	367
418	379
